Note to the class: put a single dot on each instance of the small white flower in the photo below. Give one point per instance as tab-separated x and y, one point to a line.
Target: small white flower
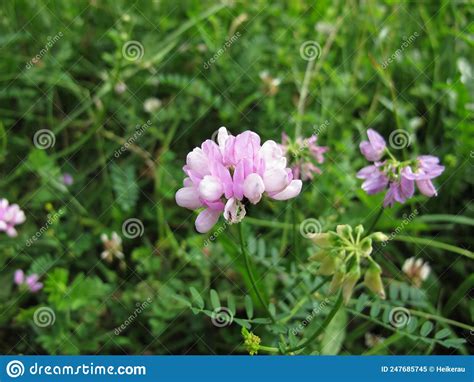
151	105
120	88
417	270
112	247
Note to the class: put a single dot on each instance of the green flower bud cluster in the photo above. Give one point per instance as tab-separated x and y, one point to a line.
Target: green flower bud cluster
342	254
251	341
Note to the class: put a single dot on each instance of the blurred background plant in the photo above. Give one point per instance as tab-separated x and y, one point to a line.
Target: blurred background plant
101	101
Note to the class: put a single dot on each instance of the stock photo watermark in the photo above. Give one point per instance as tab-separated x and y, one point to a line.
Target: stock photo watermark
37	58
231	41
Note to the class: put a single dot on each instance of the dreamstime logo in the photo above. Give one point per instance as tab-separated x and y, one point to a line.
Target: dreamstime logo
406	43
15	369
52	219
133	50
132	228
44	317
139	131
51	41
44	139
399	139
316	310
310	50
222	50
406	220
399	317
222	317
309	228
215	234
140	307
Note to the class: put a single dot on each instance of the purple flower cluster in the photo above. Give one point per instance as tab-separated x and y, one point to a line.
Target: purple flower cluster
10	216
303	155
398	177
31	281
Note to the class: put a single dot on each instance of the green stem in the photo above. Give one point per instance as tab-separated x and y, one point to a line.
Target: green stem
435	244
300	303
250	273
323	326
374	222
269	349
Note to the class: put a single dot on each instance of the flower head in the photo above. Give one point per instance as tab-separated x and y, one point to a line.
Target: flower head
251	341
398	178
341	254
222	177
270	84
303	155
67	179
417	270
31	282
10	216
112	247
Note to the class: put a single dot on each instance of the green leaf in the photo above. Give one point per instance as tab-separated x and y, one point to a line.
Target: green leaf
231	304
334	334
443	333
272	309
454	342
125	186
243	323
248	306
426	328
197	298
412	325
216	304
361	302
375	309
394	288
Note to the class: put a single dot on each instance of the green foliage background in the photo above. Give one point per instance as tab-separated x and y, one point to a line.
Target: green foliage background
427	90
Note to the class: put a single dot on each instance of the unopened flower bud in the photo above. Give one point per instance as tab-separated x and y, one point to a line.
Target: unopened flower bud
379	236
345	231
366	246
359	230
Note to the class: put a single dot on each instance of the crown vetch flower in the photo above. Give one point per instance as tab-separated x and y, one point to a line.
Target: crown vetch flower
10	216
374	148
417	270
31	281
223	176
303	155
398	178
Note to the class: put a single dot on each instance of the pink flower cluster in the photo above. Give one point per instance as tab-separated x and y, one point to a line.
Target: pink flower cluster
303	154
31	281
222	177
10	216
398	177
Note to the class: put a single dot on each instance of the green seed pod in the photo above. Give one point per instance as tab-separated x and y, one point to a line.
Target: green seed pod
322	239
349	283
319	256
373	281
329	266
336	281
